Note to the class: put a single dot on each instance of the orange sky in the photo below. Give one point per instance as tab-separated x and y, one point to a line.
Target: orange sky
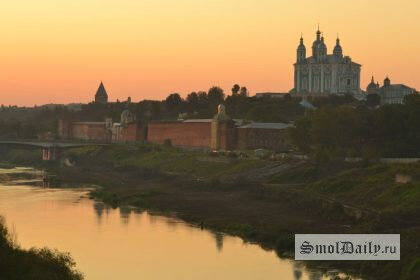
59	51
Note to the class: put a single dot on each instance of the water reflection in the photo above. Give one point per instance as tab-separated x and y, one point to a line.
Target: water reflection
315	275
130	244
125	213
297	271
218	237
99	207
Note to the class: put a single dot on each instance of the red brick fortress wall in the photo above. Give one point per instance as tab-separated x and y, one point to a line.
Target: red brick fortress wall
227	136
183	134
90	132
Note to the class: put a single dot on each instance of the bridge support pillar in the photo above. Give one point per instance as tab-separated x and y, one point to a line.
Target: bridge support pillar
51	153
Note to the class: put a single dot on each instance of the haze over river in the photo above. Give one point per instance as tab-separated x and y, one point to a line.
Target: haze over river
125	243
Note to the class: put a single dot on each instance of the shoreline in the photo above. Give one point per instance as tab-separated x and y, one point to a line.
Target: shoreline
267	211
282	243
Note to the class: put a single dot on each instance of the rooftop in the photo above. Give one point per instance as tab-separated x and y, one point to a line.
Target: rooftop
266	125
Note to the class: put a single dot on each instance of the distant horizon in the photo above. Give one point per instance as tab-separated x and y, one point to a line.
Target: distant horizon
59	52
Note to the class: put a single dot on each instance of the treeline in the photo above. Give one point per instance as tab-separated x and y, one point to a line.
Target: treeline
27	123
31	122
358	131
33	264
201	104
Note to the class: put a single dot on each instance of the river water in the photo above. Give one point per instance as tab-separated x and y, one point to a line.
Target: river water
125	243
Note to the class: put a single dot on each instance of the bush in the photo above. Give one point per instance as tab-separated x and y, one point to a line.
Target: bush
34	264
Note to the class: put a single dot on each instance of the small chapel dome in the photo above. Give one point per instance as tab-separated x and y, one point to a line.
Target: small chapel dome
387	81
126	117
372	84
372	87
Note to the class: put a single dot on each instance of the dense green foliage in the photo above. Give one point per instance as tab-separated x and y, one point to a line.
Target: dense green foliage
33	264
357	131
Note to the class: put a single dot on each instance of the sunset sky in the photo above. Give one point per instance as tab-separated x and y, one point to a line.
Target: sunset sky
59	51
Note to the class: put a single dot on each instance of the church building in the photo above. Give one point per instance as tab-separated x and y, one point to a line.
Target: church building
323	74
390	93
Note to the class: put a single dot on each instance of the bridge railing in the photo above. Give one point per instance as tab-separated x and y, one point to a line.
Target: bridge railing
58	141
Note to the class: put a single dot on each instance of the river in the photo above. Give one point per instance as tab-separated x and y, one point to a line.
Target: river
126	243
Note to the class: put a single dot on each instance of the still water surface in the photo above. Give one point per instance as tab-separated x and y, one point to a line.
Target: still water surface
128	244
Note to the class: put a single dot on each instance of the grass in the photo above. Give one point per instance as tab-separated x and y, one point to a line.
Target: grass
167	159
367	186
20	154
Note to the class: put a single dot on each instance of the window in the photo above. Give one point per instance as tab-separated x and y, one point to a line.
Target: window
348	82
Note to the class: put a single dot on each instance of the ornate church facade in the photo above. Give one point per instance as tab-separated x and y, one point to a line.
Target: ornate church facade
322	74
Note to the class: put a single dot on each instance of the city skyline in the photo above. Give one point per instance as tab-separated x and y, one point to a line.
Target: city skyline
59	52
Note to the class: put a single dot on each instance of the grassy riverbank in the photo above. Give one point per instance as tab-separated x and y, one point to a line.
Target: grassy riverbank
33	264
262	201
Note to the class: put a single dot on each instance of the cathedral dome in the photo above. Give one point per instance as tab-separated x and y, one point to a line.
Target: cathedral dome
301	46
322	46
317	42
338	50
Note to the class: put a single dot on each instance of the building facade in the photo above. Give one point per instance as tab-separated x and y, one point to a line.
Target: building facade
323	74
389	93
127	130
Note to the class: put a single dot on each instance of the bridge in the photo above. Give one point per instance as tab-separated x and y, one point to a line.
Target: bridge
51	150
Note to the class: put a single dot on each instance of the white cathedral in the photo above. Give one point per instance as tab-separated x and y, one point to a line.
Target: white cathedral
322	74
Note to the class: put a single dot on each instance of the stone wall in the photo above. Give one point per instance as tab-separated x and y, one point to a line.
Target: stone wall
132	132
89	132
262	138
184	134
227	136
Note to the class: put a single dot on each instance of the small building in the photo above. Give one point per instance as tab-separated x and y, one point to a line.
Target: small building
127	130
389	93
270	136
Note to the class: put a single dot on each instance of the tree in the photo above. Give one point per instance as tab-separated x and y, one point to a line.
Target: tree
173	101
243	91
412	99
373	100
216	95
235	89
193	102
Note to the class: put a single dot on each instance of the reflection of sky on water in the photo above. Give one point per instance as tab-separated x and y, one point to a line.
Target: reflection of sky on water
127	243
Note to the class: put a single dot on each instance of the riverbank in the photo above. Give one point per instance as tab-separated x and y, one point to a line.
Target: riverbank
258	200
